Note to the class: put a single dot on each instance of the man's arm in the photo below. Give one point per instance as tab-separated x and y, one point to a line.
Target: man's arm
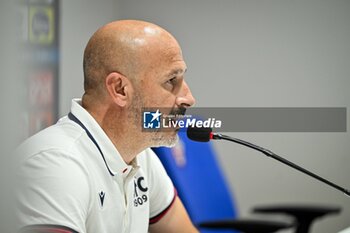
174	221
52	193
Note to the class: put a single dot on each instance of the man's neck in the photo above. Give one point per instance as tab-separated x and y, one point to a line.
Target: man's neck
123	136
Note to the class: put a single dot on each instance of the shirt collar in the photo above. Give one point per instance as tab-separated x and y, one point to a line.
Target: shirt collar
112	157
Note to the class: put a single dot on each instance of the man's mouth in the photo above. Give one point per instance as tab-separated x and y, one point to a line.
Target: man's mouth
181	111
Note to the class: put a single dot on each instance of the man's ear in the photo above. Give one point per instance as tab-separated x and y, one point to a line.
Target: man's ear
118	87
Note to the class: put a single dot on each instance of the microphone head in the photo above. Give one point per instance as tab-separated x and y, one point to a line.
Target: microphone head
202	134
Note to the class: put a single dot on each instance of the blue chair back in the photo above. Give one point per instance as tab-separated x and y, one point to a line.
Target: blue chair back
199	181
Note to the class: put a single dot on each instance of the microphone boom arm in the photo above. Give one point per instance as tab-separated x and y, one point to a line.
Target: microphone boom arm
282	160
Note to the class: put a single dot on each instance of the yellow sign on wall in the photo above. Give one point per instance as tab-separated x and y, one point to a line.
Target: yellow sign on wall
41	24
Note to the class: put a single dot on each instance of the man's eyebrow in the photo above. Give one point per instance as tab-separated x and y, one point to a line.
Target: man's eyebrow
177	71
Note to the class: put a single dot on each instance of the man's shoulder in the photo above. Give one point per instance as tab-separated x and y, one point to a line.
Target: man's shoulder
148	160
146	156
61	136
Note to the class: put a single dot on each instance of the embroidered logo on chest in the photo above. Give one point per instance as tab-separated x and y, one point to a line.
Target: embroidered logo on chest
140	193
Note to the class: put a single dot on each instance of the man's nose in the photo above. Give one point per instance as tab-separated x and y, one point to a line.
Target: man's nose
185	97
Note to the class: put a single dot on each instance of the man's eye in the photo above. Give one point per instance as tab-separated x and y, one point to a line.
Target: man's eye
172	81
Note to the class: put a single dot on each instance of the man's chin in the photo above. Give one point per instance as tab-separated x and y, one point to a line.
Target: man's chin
168	141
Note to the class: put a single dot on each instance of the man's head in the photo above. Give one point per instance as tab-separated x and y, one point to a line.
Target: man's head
129	65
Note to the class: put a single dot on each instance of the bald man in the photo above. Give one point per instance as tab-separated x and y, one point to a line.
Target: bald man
94	171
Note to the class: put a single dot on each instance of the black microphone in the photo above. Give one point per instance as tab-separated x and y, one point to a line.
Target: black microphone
202	134
205	134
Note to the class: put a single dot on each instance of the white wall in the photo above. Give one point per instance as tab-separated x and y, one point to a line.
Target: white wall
79	20
248	53
11	101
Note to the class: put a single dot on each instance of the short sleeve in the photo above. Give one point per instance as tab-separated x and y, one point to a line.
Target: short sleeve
53	189
162	191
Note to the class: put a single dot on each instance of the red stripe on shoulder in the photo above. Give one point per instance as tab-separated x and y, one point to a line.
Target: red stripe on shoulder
163	213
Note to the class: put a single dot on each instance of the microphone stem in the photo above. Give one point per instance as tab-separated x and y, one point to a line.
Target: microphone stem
282	160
